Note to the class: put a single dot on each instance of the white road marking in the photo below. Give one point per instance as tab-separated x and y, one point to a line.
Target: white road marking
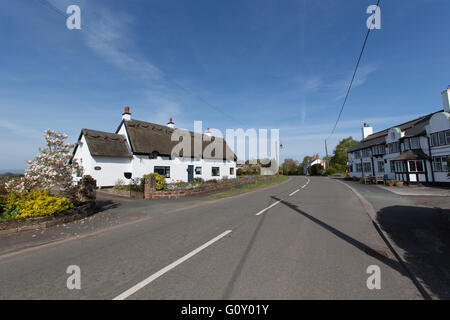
272	205
158	274
294	192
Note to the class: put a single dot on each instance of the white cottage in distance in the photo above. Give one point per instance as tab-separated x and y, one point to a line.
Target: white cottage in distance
138	148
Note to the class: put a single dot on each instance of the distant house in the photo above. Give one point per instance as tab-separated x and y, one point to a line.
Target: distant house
314	160
414	151
138	148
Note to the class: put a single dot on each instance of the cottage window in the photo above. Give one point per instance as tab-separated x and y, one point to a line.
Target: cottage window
215	171
375	150
358	167
415	143
165	171
447	133
412	166
441	138
399	166
127	175
419	166
392	166
406	144
434	140
367	167
198	170
440	164
231	171
380	166
366	153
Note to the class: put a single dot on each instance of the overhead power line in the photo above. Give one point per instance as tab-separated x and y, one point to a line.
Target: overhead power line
353	77
86	28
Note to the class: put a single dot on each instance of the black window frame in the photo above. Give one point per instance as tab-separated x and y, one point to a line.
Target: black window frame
163	170
218	171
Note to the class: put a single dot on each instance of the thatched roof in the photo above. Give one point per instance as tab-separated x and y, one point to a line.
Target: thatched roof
105	144
148	138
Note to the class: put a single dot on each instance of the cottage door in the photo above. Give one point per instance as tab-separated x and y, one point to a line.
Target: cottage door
190	171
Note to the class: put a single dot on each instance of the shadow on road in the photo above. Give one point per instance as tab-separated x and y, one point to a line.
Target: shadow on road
103	205
357	244
424	236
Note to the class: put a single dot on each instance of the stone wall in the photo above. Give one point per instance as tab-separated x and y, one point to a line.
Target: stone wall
34	223
151	192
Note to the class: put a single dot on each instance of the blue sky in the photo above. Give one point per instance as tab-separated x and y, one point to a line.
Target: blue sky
264	64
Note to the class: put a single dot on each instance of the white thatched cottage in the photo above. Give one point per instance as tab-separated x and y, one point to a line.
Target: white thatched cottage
138	148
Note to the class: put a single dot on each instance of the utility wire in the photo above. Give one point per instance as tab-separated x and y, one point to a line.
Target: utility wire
353	77
50	6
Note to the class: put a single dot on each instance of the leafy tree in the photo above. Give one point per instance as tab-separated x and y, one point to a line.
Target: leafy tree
315	170
290	166
340	157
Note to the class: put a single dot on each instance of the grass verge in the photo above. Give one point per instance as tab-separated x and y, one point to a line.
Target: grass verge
248	187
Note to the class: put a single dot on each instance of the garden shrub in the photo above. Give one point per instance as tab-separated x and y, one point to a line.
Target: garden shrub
199	180
315	170
159	179
330	171
35	203
239	172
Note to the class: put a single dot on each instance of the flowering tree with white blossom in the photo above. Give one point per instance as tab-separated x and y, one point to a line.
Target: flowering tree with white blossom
53	168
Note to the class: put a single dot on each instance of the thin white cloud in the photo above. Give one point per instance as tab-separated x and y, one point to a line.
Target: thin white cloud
109	35
20	130
361	76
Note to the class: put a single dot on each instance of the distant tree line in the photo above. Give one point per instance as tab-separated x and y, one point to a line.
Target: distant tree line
337	162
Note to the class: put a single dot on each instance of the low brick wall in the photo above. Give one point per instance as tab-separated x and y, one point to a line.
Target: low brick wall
213	187
33	223
124	193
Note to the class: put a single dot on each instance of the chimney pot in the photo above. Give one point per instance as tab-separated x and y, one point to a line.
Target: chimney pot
170	124
126	115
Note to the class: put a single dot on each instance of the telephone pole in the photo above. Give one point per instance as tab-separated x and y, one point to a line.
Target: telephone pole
326	152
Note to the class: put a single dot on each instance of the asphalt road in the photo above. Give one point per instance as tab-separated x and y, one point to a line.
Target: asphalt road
314	243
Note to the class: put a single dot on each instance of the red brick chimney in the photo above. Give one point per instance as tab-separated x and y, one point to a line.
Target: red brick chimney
126	115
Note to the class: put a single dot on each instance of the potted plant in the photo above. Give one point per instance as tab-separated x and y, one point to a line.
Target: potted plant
399	184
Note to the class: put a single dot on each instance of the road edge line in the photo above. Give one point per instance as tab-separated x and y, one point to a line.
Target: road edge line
371	212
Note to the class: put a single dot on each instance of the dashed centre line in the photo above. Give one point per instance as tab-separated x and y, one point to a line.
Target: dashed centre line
275	203
272	205
158	274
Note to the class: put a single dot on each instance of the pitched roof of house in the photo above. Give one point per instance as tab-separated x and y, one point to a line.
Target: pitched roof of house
148	138
105	144
414	154
411	128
